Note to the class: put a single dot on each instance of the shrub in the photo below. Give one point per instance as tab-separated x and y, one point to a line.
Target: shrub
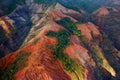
63	41
70	26
18	63
98	57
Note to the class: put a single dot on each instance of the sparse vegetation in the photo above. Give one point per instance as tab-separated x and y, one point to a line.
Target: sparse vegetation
79	71
63	41
98	58
63	38
78	23
18	63
94	53
70	26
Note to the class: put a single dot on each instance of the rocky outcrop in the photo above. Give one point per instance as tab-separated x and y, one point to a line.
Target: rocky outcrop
41	64
61	8
104	11
101	11
44	55
6	24
17	25
109	26
89	31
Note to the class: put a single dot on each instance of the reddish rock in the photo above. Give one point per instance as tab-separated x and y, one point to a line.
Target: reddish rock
88	30
102	11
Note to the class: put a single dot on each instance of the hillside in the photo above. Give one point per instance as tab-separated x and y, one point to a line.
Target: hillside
42	40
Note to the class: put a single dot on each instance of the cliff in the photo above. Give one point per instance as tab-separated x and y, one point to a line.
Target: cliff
46	42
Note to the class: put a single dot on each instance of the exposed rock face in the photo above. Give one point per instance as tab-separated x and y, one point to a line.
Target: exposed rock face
39	65
109	26
17	25
89	30
61	8
7	27
111	21
101	11
104	11
6	24
36	58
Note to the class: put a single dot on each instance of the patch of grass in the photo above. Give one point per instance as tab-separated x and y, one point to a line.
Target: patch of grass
18	63
79	71
70	26
69	65
78	23
63	41
98	58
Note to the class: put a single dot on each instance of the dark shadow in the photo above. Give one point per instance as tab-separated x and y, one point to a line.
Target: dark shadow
22	25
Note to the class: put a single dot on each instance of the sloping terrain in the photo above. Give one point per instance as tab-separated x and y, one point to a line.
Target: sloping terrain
109	26
47	41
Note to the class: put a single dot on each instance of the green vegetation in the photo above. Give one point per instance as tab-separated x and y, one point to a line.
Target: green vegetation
79	71
78	23
18	63
69	65
63	41
70	26
98	58
63	38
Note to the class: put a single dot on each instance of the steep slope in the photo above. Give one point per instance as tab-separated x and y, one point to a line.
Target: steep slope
104	11
101	11
39	64
109	23
109	26
4	23
7	6
6	28
17	25
57	47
